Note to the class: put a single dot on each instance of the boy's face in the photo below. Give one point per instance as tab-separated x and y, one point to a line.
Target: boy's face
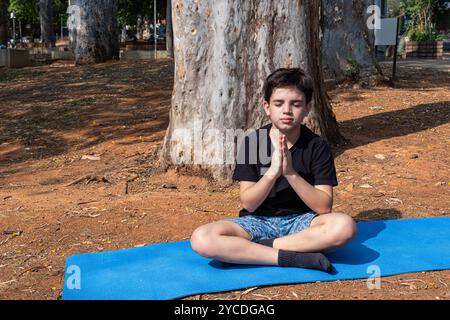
287	108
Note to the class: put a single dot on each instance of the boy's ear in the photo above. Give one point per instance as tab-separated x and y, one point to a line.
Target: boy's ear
309	107
266	107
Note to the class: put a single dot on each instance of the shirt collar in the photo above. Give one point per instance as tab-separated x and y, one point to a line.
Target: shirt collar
297	145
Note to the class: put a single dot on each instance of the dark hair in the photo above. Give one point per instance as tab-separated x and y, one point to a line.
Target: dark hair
294	77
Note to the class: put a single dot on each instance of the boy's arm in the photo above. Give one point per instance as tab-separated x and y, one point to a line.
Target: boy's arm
253	194
319	198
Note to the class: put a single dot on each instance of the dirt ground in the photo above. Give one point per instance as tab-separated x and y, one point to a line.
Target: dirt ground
78	172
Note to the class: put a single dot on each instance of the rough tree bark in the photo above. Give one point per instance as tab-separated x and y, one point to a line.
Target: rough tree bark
169	30
224	50
4	4
346	37
46	19
93	30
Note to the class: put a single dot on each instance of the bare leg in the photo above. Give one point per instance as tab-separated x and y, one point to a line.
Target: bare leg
327	232
228	242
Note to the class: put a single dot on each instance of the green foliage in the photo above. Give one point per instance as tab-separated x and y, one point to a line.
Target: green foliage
418	36
417	7
129	10
25	10
352	70
60	8
28	10
423	15
394	7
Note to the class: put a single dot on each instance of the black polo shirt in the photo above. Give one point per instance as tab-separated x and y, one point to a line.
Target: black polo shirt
311	159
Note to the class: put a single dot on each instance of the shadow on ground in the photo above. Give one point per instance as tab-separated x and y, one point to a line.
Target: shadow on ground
386	125
111	101
103	102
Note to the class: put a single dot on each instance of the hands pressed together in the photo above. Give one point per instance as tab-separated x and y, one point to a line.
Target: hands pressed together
281	158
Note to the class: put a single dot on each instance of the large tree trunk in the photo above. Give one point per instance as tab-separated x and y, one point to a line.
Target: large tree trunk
224	50
46	19
4	21
346	37
93	30
169	30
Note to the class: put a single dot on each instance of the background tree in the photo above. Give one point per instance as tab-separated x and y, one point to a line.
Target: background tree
46	19
27	12
224	50
60	15
94	32
4	19
129	10
140	27
169	30
347	41
134	13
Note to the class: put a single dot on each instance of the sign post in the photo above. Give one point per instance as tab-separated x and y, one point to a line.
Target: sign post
394	70
154	28
387	35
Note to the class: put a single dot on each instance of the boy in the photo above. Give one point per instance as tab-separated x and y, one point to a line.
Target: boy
286	218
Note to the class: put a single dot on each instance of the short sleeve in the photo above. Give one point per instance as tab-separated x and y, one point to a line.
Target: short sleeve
323	168
245	169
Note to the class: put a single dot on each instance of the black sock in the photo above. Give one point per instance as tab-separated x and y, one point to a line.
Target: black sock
316	261
267	242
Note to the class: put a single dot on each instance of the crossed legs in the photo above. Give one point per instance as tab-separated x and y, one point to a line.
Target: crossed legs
228	242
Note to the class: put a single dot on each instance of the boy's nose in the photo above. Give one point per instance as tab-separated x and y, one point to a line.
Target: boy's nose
287	109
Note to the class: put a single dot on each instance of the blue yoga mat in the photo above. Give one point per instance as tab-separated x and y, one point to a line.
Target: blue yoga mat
173	270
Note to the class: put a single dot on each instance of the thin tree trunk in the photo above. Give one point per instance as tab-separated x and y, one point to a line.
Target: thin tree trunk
123	36
93	31
4	4
346	37
169	30
140	27
46	20
221	62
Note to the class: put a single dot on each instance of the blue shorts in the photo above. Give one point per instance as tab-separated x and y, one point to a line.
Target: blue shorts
271	227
